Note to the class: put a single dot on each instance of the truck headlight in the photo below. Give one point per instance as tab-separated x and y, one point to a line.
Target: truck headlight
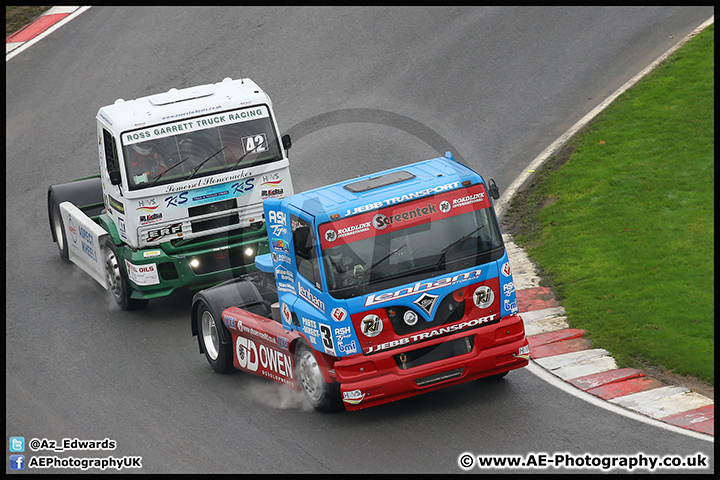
194	263
410	318
249	252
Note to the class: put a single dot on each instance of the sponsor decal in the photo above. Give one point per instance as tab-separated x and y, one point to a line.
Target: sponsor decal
310	327
286	313
483	296
230	321
280	245
87	242
116	205
151	253
283	342
208	181
505	269
122	228
457	327
312	299
354	397
342	335
150	218
426	302
392	214
270	186
168	230
371	326
508	288
523	352
209	194
510	306
264	360
381	221
186	126
283	274
338	314
402	198
142	275
375	299
277	221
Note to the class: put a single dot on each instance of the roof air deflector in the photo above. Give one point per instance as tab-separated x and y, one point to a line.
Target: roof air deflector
379	181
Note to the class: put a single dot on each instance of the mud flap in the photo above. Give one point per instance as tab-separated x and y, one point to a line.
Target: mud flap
84	239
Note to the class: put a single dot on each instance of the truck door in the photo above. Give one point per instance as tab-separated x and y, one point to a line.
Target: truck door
310	303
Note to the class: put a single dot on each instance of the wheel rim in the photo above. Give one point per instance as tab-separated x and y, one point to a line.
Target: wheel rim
113	273
57	225
310	376
210	336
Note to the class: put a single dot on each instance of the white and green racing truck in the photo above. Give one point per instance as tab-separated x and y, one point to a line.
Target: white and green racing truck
179	198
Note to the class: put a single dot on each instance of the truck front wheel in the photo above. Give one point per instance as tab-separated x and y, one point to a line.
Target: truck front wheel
323	396
118	283
217	353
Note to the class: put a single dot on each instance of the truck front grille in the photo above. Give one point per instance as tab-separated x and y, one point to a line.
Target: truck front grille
217	222
434	353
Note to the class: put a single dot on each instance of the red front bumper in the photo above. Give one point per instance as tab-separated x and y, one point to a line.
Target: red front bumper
368	380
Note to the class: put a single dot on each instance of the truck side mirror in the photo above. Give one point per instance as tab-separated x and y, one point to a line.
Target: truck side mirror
493	189
115	178
286	142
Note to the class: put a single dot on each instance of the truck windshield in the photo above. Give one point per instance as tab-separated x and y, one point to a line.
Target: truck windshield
200	146
409	242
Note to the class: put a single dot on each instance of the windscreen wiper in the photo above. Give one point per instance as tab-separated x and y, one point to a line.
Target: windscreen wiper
242	157
162	174
192	174
366	274
456	242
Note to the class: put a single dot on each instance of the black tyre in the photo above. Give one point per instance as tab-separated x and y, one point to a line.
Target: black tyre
118	283
211	333
323	396
58	228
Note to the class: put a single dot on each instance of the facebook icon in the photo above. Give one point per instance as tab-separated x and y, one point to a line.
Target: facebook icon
17	462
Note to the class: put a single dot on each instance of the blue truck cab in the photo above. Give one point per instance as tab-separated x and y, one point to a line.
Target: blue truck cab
383	266
394	284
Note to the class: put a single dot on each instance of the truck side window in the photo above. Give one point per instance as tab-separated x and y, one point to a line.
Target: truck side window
111	159
305	252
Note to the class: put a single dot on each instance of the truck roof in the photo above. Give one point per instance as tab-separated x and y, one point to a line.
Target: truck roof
384	188
176	104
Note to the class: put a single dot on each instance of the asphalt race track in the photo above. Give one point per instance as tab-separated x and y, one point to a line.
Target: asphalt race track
359	89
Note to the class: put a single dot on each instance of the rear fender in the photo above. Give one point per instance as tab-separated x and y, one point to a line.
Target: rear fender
238	292
86	194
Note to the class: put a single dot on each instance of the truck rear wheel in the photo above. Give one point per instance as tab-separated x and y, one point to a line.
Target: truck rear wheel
323	396
211	330
118	283
58	229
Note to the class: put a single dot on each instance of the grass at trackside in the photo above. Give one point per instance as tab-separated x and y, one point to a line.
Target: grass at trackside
621	221
17	17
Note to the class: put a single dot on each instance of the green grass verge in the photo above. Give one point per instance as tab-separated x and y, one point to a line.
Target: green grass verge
621	220
17	17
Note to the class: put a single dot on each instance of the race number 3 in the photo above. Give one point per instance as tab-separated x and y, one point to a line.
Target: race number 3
326	337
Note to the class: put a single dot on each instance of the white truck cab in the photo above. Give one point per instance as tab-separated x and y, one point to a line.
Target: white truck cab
183	176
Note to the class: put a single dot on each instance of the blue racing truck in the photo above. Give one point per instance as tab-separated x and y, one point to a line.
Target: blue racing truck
375	289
